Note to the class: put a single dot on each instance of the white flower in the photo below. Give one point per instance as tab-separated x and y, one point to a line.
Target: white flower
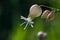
35	11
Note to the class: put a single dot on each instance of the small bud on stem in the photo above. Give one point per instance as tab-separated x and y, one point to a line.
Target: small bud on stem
41	35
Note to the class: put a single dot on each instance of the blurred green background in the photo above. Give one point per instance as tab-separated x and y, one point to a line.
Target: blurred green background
10	12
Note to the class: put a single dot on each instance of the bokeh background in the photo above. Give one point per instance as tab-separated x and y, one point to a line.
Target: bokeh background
10	12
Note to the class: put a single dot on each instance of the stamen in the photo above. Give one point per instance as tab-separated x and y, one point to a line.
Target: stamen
26	26
32	22
23	18
31	25
23	23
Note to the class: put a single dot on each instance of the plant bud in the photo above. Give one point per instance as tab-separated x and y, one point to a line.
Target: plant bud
50	16
45	13
35	11
41	35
